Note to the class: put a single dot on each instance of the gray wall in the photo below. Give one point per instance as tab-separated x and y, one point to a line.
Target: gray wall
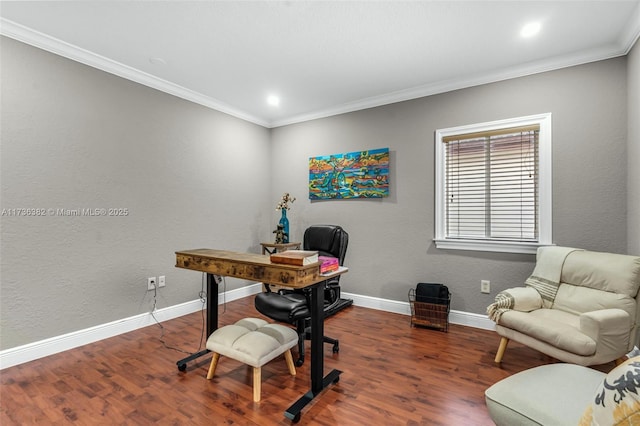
74	137
633	157
391	246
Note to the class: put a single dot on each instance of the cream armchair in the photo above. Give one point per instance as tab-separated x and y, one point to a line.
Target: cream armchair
578	306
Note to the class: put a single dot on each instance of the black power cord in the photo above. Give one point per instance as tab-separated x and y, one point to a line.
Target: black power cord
202	295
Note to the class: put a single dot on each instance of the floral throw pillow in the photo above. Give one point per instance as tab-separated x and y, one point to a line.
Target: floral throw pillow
617	401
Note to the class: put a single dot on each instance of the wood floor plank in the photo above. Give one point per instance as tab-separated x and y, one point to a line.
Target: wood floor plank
393	374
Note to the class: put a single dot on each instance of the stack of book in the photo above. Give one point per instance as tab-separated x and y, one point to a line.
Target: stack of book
295	257
328	264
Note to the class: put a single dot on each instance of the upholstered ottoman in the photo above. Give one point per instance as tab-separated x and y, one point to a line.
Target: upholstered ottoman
567	394
255	342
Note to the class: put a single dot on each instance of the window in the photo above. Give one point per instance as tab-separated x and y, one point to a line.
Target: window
493	185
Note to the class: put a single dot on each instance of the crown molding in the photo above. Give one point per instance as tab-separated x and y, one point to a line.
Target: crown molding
523	70
631	32
51	44
623	46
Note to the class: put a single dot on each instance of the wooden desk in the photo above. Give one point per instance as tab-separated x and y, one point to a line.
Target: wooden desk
270	248
257	267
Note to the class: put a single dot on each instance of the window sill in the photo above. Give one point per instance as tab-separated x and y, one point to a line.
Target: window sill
492	246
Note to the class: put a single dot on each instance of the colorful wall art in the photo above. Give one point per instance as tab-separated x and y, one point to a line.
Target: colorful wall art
360	174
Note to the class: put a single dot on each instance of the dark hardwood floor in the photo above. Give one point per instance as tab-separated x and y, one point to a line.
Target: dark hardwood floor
393	374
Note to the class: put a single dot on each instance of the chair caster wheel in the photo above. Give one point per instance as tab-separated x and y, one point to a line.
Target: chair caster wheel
337	379
296	418
182	367
299	362
336	348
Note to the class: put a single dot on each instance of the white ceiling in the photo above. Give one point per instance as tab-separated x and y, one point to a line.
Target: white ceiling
321	57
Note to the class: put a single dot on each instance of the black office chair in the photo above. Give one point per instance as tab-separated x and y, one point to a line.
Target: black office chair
293	306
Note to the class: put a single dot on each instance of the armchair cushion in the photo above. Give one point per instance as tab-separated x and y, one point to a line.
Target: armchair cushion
552	326
610	272
577	300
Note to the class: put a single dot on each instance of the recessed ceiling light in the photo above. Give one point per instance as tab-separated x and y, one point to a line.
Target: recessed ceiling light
530	29
157	61
273	100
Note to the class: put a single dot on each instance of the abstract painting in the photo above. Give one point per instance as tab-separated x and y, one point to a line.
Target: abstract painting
359	174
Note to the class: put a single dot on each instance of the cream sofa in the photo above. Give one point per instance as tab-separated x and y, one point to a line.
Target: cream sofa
578	306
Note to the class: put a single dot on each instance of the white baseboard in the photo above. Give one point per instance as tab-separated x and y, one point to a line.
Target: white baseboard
32	351
455	317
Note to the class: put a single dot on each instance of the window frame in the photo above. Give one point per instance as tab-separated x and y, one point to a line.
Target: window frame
544	187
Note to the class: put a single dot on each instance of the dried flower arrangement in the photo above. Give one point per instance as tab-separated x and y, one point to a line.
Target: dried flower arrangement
284	202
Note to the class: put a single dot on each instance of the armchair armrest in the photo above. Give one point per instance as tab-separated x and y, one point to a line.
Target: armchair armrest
607	327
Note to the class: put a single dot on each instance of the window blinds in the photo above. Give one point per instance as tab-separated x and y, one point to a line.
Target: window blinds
491	185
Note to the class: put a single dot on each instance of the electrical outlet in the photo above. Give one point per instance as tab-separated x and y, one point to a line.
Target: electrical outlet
161	281
485	286
151	283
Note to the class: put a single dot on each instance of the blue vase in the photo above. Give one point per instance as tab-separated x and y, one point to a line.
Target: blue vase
285	224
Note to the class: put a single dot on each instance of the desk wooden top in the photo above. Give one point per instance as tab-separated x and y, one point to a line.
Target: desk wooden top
250	266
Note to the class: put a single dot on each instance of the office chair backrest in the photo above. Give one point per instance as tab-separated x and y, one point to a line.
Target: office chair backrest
328	240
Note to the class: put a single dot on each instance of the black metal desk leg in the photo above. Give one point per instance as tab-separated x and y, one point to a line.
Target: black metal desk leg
212	319
318	383
212	304
317	331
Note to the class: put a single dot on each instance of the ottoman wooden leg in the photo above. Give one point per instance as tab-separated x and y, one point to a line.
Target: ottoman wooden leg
290	364
257	383
501	349
212	367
